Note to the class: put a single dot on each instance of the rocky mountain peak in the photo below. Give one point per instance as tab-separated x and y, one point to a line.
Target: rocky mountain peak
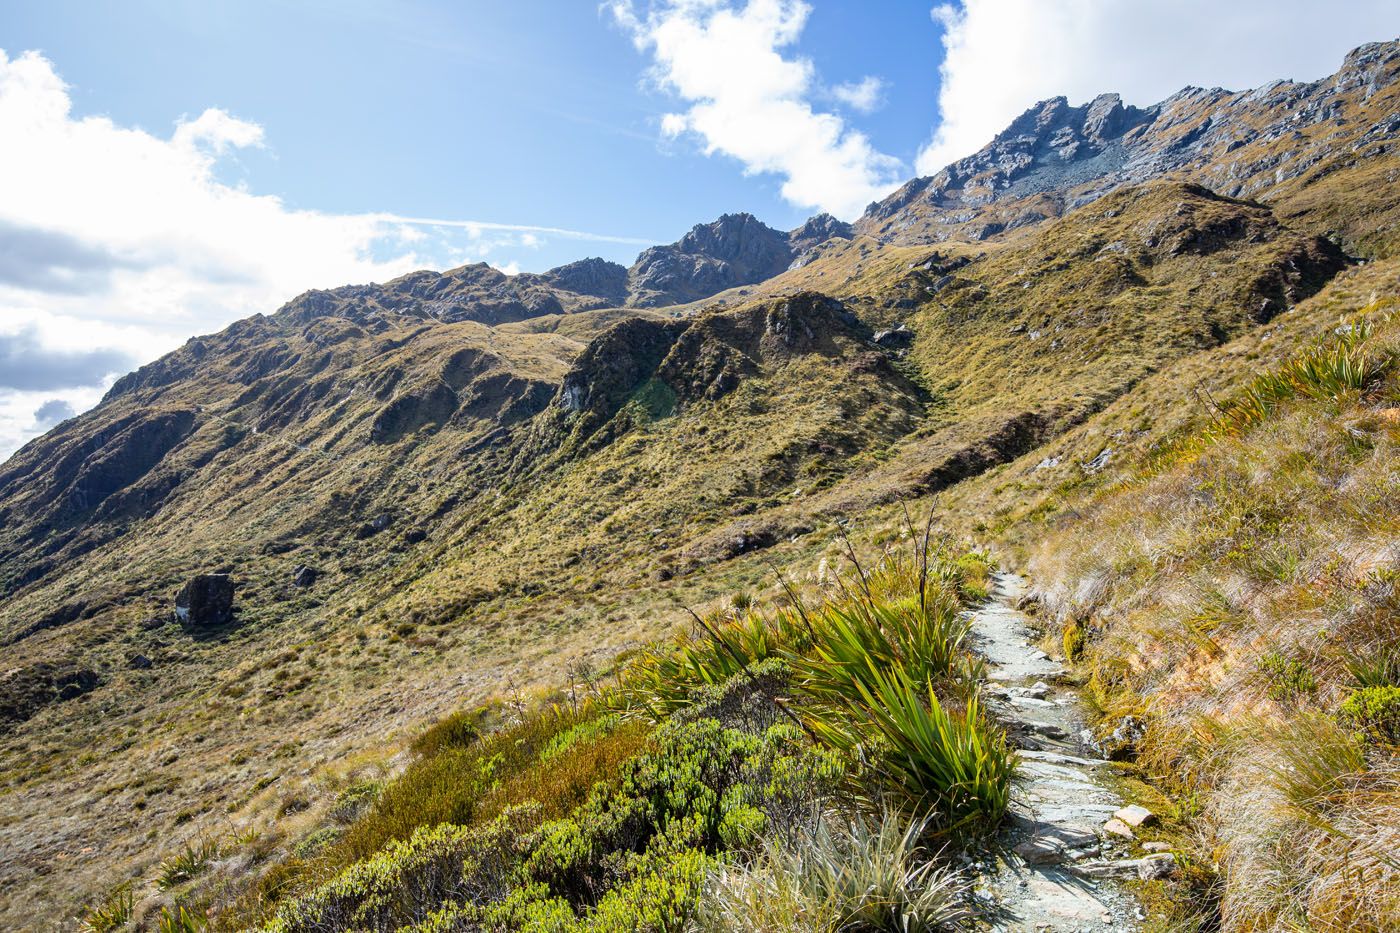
1055	156
737	249
817	230
592	276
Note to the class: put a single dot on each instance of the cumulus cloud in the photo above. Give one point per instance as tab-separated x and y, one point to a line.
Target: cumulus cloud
864	95
116	244
1002	56
27	365
52	412
748	97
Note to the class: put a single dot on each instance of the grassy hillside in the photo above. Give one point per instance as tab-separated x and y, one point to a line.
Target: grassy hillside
1175	408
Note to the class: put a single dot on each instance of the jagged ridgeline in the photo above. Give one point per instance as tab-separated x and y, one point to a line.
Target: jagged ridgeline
383	503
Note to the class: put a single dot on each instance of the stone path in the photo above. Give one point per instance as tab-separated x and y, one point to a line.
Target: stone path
1059	867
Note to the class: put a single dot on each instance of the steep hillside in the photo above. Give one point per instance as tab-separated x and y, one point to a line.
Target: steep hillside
460	488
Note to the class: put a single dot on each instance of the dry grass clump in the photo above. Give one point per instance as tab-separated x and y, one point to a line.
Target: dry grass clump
844	873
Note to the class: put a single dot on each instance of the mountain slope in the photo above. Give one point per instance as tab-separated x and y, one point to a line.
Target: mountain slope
497	480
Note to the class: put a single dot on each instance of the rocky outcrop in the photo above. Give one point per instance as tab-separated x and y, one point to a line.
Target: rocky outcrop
615	364
816	231
205	601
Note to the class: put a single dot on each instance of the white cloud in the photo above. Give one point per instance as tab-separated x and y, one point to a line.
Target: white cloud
219	131
1002	56
748	100
864	95
118	244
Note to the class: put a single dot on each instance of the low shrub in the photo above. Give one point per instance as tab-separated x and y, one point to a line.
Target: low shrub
1374	712
1288	678
459	730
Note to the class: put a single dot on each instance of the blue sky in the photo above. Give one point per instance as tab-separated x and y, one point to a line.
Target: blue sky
526	112
171	166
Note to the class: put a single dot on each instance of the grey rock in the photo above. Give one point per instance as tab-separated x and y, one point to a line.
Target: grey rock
895	339
305	576
1157	866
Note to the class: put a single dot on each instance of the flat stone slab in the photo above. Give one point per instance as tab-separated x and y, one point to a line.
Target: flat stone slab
1058	758
1135	815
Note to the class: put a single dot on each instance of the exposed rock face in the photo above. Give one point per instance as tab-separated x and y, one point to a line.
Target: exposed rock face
614	364
816	231
735	250
1056	157
591	277
206	600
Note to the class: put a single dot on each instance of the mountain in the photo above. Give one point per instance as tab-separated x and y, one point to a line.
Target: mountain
1299	145
381	504
735	250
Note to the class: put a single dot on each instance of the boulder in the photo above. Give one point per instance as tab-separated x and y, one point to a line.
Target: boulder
305	576
139	662
206	600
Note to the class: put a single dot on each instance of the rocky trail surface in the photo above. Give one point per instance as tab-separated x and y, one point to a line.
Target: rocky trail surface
1065	848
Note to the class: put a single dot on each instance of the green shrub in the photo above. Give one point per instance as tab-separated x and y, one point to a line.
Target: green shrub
351	802
633	855
448	787
1375	713
1288	678
317	841
458	730
409	880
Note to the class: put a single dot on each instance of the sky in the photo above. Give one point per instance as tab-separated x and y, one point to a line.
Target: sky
169	167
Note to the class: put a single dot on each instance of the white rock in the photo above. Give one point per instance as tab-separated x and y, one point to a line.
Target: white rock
1118	828
1135	815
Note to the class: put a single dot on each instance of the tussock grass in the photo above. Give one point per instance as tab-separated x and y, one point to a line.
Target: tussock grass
1238	591
188	863
845	873
113	913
